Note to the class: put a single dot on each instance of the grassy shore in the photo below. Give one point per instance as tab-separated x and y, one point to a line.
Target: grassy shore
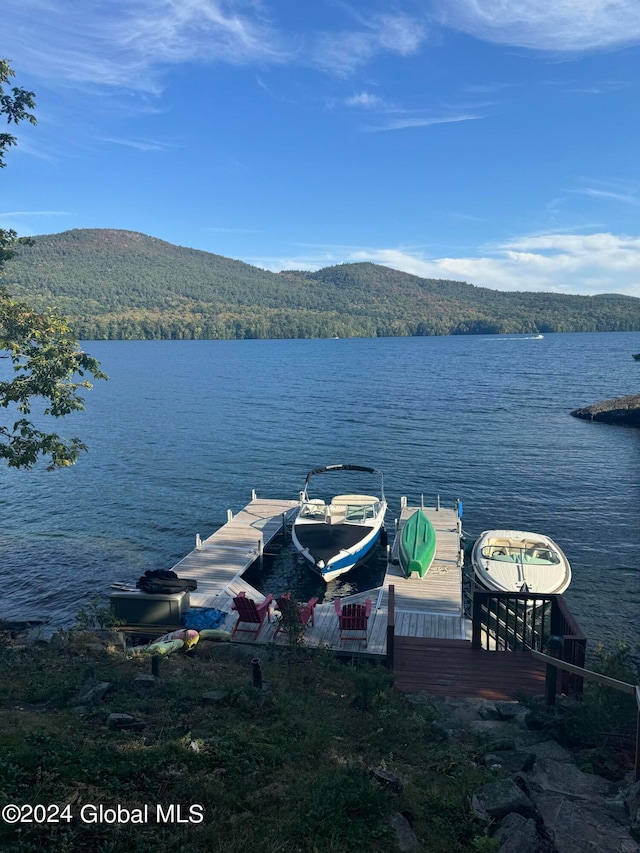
287	769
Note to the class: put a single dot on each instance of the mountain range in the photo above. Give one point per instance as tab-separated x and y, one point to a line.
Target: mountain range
122	284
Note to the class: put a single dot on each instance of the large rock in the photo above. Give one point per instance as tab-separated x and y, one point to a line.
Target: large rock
405	836
497	799
517	834
621	410
578	826
565	780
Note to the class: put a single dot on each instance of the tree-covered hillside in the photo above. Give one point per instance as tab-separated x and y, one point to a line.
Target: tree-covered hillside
121	284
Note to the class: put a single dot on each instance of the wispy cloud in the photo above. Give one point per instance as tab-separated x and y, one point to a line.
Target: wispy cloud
142	144
13	213
343	52
561	25
613	189
366	100
609	195
127	43
405	122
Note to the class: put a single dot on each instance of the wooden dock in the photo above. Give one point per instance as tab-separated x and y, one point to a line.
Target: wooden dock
429	607
218	563
429	639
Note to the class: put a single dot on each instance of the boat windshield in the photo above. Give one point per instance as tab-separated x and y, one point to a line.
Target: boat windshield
536	555
341	512
361	513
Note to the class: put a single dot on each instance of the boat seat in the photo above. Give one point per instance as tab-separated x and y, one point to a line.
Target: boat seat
313	509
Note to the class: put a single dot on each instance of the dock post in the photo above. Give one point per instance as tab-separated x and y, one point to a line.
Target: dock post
391	625
284	525
229	516
261	550
421	501
253	494
403	501
555	647
476	630
155	666
637	772
198	542
438	503
256	673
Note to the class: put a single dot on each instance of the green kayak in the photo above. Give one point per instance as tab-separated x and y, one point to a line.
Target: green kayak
417	544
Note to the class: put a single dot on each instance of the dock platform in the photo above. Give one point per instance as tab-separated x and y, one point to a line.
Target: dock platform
218	563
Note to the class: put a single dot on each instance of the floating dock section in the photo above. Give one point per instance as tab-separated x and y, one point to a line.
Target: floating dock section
218	563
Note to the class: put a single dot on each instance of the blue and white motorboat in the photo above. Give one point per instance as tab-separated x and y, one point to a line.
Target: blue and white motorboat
334	536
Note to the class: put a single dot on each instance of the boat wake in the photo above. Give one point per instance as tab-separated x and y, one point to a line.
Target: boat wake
521	338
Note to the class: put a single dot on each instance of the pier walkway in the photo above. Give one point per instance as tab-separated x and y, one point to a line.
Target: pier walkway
218	563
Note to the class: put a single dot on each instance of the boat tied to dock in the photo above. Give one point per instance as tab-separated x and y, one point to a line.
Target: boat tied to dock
334	536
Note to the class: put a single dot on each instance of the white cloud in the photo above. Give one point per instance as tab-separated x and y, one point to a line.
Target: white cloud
366	100
565	263
34	213
562	263
627	198
407	121
125	43
141	144
547	25
343	52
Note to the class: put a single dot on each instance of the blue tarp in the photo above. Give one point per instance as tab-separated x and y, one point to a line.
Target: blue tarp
203	617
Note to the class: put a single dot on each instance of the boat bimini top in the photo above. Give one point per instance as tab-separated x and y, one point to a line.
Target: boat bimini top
327	468
345	509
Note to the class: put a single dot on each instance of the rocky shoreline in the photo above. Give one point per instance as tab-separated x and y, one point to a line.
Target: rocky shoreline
621	410
541	801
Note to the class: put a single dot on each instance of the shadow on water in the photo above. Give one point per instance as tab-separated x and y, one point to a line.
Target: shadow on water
284	570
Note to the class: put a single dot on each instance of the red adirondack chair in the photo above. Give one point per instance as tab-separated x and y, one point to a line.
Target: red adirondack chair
250	613
353	618
293	612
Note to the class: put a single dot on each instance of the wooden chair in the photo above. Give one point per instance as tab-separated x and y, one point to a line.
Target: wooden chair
250	613
353	618
294	613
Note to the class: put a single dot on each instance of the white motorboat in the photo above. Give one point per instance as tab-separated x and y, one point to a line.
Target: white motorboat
334	536
519	561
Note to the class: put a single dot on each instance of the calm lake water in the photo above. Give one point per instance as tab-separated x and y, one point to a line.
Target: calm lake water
185	429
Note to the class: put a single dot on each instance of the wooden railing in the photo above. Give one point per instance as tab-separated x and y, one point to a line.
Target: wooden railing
519	622
391	625
633	689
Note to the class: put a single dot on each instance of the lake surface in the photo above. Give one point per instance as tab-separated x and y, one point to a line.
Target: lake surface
185	429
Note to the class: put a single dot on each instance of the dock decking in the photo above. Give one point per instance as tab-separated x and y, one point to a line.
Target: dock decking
218	563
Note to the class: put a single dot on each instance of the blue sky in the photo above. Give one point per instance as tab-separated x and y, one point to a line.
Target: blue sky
480	140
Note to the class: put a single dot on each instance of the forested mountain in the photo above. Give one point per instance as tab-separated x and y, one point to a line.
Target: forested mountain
121	284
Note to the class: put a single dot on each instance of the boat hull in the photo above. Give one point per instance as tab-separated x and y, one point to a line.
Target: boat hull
340	562
519	561
417	545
